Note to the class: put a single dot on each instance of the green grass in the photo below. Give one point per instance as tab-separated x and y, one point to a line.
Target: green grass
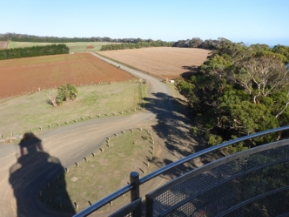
73	46
89	180
31	111
15	44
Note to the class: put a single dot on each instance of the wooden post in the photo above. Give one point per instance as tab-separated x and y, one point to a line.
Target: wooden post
75	206
134	179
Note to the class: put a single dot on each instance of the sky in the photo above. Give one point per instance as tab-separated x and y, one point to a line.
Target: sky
248	21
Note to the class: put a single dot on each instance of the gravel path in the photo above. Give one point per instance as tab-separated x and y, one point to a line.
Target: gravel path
71	143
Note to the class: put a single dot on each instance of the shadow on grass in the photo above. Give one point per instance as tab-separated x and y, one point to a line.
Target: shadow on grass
34	169
49	102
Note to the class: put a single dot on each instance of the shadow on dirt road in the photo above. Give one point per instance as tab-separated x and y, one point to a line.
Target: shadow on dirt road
33	169
174	123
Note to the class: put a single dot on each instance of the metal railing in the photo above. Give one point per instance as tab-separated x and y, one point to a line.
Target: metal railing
135	206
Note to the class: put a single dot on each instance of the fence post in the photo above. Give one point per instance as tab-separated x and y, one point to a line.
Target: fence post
134	180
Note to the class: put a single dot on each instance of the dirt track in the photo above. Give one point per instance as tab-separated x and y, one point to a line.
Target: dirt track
71	143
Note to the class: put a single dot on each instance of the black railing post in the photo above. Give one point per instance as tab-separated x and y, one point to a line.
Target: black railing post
134	180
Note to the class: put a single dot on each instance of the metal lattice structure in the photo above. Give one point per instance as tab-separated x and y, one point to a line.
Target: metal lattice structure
254	182
250	183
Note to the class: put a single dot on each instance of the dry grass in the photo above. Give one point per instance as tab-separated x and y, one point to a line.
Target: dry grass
165	62
32	111
73	46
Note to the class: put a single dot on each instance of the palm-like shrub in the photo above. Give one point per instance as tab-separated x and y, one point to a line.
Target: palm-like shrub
66	92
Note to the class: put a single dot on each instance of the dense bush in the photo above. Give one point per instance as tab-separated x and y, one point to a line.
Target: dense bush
66	93
33	51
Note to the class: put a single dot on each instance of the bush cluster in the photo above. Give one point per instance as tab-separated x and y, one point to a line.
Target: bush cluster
33	51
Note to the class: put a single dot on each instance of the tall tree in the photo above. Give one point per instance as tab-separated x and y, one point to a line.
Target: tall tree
237	91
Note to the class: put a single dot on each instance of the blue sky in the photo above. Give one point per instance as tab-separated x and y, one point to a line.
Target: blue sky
249	21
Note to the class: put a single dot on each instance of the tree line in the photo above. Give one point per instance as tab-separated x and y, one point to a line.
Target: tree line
135	45
33	51
34	38
239	90
210	44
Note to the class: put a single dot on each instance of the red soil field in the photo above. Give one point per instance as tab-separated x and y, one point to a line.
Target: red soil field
164	62
3	44
25	75
90	46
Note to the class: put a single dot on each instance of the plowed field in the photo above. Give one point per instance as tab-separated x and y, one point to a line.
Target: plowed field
164	62
20	76
3	44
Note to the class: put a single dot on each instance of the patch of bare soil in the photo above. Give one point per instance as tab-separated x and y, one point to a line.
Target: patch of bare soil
26	75
3	44
164	62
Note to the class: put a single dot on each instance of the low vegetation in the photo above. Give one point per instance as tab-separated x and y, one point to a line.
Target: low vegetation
92	101
238	91
130	150
74	47
65	93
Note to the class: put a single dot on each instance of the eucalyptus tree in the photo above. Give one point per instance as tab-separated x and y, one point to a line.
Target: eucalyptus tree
239	90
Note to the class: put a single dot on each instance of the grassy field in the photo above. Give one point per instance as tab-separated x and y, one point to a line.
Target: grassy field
129	151
73	46
32	111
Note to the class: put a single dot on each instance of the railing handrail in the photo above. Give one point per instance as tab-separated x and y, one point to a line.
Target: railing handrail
104	201
158	172
206	151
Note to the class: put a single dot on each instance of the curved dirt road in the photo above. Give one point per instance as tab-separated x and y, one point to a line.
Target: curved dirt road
71	143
